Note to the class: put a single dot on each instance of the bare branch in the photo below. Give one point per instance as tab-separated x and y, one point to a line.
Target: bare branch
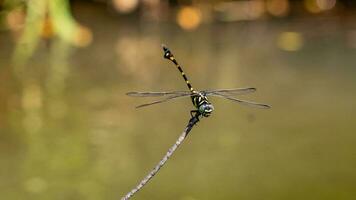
169	153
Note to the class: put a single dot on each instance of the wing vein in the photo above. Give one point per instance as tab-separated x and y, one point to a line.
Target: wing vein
234	91
163	100
243	102
156	94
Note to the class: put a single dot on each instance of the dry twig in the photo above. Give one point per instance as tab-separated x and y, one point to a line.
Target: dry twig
169	153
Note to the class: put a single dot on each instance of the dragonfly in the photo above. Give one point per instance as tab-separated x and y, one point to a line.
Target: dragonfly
203	107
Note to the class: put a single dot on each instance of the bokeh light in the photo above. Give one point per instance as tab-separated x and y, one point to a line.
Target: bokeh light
317	6
326	4
312	6
130	50
125	6
240	10
290	41
256	8
278	8
15	19
83	36
189	17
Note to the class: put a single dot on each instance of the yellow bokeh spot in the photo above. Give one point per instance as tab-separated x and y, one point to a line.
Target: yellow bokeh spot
83	37
15	19
189	17
125	6
290	41
312	6
278	8
326	4
255	9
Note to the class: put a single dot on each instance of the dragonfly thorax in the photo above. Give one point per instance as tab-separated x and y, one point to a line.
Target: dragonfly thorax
201	102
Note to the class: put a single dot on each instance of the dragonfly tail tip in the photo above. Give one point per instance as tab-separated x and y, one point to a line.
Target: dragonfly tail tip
164	47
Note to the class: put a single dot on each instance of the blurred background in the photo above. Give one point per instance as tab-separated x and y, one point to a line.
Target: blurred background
68	131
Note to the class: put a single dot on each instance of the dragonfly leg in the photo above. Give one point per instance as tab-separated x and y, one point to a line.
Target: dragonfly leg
194	113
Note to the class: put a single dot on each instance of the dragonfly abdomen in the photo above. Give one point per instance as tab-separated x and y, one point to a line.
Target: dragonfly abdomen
169	55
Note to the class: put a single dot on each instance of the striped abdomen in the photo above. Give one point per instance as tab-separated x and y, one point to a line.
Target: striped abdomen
169	55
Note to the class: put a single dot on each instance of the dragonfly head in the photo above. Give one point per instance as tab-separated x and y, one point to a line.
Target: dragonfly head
206	109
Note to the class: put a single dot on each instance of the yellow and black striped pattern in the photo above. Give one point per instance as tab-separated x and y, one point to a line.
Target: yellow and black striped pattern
199	99
169	55
183	74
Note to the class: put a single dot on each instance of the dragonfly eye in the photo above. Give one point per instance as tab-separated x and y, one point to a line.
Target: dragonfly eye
206	109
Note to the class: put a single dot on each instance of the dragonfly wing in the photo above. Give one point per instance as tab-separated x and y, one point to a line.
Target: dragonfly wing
235	91
248	103
157	94
164	100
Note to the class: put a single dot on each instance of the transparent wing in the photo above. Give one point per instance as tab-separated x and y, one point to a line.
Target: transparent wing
164	100
234	91
157	94
243	102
